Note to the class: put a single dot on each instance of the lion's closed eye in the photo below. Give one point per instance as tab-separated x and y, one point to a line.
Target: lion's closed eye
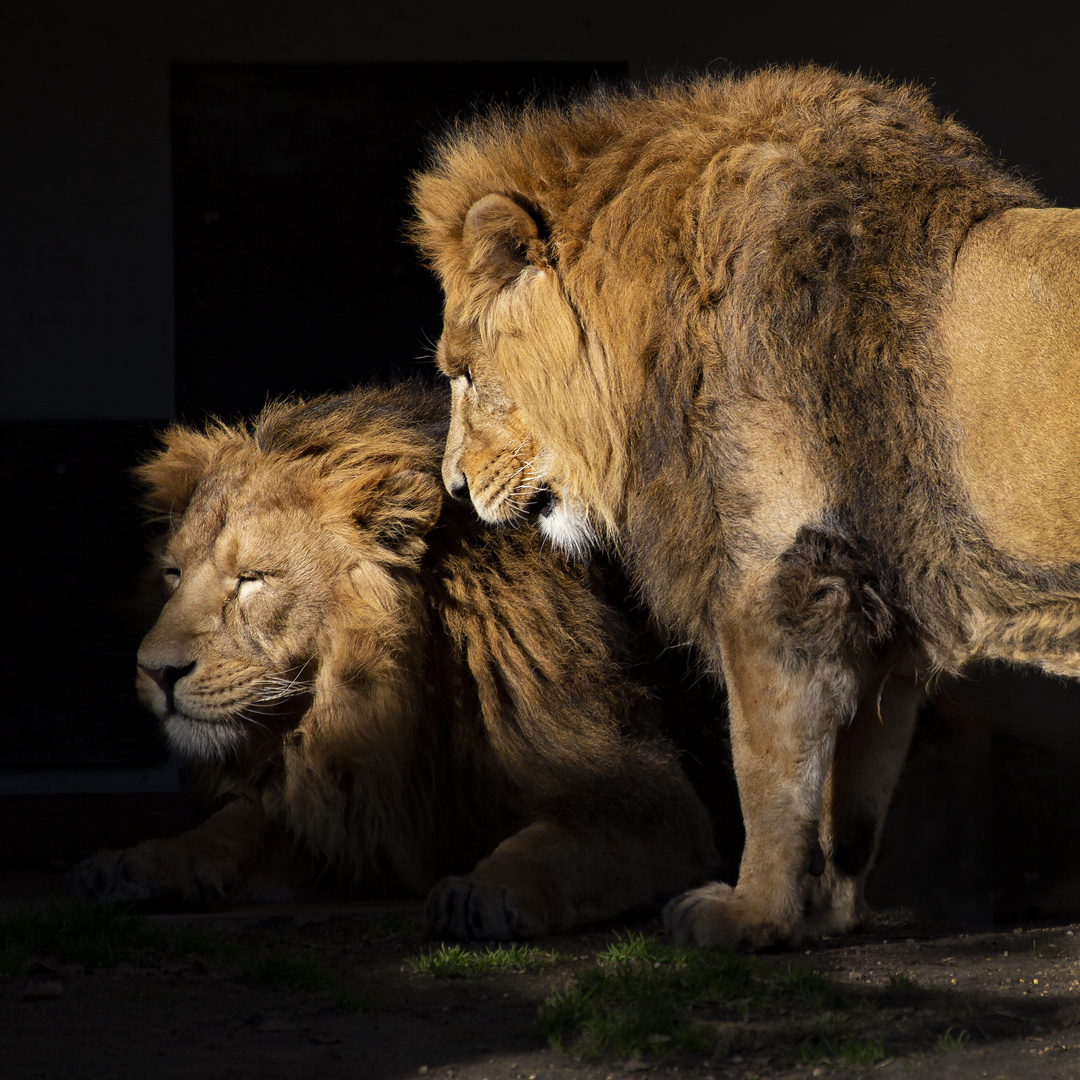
249	582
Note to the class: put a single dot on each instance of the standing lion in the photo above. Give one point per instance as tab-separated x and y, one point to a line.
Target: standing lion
381	691
799	352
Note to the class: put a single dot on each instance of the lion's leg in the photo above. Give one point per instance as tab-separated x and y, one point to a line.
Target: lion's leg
552	878
870	754
786	713
197	869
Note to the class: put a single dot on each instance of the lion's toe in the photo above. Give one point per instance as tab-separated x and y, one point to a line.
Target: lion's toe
471	910
111	876
141	876
716	916
693	918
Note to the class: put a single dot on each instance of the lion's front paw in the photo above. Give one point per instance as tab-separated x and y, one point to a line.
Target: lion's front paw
140	876
111	876
472	910
715	915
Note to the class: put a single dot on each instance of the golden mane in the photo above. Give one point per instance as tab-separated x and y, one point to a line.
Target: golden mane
844	187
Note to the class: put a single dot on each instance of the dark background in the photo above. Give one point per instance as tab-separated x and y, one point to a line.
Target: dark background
201	207
289	202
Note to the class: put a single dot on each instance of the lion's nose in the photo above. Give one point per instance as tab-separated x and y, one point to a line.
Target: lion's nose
167	677
459	489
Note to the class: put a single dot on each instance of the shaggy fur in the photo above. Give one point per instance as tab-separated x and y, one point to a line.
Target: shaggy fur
777	340
355	665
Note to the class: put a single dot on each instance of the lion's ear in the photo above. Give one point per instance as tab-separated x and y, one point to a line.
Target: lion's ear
171	475
400	510
499	239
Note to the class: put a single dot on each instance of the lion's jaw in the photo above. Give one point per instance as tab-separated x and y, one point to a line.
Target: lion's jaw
217	708
497	457
207	721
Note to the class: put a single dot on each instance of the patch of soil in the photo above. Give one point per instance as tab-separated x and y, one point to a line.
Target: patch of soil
1001	1004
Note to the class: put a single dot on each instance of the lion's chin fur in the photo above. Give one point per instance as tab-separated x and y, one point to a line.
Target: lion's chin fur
199	742
567	525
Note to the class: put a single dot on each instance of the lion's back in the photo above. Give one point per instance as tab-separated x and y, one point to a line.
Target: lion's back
1011	333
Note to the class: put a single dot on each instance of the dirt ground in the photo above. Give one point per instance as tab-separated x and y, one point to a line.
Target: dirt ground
1003	1004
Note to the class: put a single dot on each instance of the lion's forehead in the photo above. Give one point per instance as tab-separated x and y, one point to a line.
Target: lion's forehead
245	536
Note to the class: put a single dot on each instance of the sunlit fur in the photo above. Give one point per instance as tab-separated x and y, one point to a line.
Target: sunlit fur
358	663
568	527
810	362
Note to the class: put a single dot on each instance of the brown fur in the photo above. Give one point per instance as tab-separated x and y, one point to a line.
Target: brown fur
354	665
780	341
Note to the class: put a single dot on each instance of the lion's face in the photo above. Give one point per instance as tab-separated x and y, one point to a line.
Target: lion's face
233	655
288	580
513	349
493	458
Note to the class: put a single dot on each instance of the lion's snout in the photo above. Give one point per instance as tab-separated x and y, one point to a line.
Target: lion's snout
458	487
166	678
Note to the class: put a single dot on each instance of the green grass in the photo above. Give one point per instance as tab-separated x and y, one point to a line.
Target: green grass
635	945
644	995
635	1000
460	962
848	1050
798	985
861	1051
391	925
950	1042
285	969
641	998
95	935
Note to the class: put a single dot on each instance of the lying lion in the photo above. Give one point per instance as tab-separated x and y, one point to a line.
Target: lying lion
382	691
809	361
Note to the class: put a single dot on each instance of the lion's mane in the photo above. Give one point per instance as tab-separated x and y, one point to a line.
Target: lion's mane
790	232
